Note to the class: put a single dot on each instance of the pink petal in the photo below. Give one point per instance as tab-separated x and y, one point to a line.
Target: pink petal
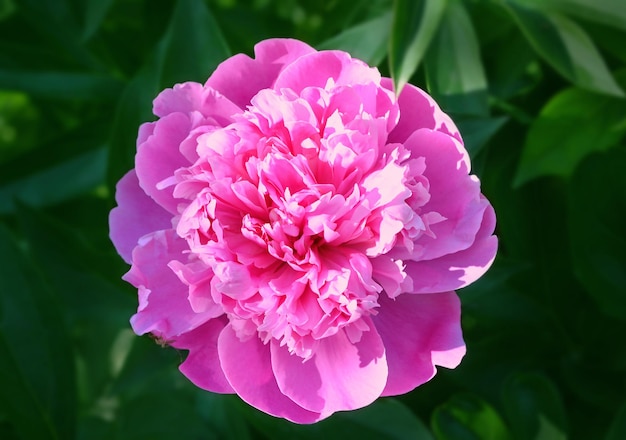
418	110
202	366
159	156
239	78
340	375
135	215
316	69
164	309
192	97
454	194
459	269
419	332
247	367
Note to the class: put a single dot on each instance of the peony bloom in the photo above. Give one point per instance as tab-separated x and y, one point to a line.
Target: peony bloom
301	232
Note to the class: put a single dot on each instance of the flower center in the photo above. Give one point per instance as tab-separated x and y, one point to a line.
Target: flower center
287	206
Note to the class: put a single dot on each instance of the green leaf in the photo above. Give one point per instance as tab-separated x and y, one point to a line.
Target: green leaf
573	124
386	418
492	301
597	200
97	302
61	85
414	25
73	177
193	45
606	12
466	416
366	41
7	7
36	358
566	47
534	408
134	108
19	121
617	430
57	22
454	70
93	13
171	414
222	413
190	49
476	132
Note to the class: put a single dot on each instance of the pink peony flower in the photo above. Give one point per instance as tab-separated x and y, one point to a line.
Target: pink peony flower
301	232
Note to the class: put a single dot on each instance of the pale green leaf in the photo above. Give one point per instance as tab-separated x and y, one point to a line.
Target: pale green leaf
573	124
466	416
366	41
565	46
414	25
454	69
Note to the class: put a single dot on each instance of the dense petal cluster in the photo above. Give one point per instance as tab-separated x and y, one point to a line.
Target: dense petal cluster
300	231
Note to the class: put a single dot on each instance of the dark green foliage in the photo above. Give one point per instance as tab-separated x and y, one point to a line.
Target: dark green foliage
537	89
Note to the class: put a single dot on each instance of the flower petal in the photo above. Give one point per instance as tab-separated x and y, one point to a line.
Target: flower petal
247	367
318	68
459	269
164	308
419	332
240	77
192	97
202	366
340	376
418	110
159	156
454	194
135	215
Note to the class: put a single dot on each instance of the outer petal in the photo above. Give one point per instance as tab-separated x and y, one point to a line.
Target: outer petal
164	309
418	110
247	367
159	156
316	69
190	97
135	215
202	366
454	194
340	376
419	332
239	78
459	269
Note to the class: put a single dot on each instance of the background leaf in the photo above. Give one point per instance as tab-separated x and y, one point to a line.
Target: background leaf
554	147
567	47
367	41
599	254
189	50
36	358
414	25
606	12
467	416
454	69
535	408
618	427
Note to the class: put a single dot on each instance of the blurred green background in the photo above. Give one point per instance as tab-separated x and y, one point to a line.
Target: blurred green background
537	89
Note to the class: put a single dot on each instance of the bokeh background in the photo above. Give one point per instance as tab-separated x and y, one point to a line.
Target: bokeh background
537	89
